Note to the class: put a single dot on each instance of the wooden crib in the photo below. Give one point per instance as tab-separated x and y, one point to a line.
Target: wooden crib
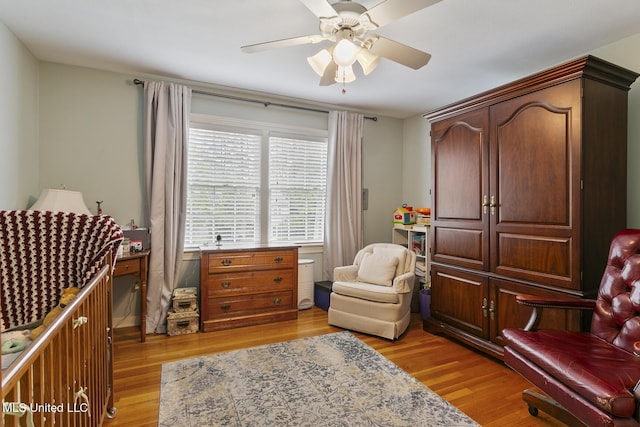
65	376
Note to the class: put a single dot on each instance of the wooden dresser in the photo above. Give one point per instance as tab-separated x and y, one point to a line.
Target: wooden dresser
245	285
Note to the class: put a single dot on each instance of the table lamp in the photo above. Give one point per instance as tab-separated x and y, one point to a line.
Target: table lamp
61	200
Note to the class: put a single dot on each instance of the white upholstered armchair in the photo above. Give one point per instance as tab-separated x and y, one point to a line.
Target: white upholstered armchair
374	294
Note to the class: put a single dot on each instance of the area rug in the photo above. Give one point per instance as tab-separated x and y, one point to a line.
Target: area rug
328	380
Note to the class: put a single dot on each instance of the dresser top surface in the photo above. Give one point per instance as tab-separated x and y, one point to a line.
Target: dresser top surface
247	247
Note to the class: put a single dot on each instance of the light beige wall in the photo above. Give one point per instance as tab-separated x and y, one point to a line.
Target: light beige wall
416	176
90	138
222	107
18	122
382	175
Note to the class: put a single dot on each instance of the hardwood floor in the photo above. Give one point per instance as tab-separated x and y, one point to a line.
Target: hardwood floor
482	387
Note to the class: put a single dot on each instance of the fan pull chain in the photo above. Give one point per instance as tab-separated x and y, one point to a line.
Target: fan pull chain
344	77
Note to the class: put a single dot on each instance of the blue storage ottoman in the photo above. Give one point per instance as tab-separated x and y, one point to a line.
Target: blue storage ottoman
321	294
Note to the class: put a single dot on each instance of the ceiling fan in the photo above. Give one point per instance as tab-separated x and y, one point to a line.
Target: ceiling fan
348	24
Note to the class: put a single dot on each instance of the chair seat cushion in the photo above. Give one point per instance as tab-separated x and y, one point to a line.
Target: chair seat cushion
366	291
595	369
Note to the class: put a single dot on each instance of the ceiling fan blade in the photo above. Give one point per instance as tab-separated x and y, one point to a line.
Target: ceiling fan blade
259	47
390	10
400	53
320	8
329	76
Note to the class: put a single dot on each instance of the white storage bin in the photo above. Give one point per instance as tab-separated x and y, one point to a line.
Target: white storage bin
305	283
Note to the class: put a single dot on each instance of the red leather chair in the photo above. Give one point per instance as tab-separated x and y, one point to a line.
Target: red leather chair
589	377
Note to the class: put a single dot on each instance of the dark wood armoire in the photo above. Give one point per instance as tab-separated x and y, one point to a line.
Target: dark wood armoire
529	185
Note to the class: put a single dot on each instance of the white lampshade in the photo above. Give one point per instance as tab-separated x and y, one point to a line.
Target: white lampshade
345	74
345	53
368	61
320	61
61	201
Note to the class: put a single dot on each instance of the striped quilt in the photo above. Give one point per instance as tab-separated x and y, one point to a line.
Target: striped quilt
41	253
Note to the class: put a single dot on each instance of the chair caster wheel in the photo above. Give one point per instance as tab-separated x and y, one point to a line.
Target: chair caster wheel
533	411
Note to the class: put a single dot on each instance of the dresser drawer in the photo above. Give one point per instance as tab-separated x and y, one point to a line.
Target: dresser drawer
250	304
123	268
249	282
224	262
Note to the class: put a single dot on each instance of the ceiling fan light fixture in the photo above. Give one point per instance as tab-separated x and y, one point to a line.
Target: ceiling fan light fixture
344	53
346	24
367	60
320	61
345	74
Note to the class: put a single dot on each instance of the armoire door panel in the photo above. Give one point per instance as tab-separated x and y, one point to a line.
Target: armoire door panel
464	246
536	187
533	164
534	257
459	171
460	299
460	150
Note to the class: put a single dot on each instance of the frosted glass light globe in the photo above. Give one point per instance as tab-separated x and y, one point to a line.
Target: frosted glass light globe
345	53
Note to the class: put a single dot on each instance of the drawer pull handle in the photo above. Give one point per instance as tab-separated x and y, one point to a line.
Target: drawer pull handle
277	279
226	262
225	284
278	259
225	307
277	301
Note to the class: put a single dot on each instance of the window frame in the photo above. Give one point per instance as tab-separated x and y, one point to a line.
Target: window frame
265	129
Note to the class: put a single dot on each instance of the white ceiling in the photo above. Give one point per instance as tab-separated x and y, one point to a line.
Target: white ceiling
476	44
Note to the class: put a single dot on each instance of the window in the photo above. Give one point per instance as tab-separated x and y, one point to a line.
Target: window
223	195
297	189
253	182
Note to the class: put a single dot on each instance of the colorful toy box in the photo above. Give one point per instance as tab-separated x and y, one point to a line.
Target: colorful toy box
404	215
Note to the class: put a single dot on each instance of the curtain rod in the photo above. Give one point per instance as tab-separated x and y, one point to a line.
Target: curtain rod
257	101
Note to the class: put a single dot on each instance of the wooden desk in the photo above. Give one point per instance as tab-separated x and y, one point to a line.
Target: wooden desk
136	263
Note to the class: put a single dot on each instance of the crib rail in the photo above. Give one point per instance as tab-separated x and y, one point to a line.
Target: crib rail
64	378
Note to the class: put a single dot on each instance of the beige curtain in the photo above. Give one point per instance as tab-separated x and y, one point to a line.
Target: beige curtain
343	210
167	108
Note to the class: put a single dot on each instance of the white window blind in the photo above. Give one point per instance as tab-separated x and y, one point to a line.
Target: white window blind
223	186
297	189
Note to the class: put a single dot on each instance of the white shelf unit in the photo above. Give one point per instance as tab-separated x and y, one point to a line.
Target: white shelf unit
416	239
